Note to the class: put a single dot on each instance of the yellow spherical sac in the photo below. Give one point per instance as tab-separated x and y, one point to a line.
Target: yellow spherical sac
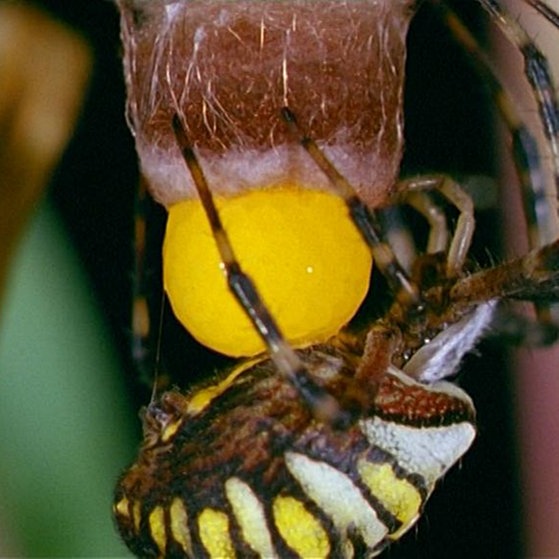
307	259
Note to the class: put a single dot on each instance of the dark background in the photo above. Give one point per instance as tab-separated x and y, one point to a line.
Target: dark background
475	513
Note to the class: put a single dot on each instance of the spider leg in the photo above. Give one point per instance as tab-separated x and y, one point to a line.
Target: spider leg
549	13
415	193
323	404
471	309
537	72
542	223
531	277
540	215
367	222
422	203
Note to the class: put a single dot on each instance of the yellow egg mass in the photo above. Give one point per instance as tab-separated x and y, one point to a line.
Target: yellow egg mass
305	256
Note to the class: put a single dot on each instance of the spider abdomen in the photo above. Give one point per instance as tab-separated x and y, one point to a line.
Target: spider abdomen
243	469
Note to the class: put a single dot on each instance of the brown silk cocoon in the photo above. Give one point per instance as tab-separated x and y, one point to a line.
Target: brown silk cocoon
226	68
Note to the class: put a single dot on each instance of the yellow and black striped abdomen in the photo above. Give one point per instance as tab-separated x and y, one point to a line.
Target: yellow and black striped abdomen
242	469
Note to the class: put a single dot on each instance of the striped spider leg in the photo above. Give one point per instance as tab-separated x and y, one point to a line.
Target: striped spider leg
533	372
539	190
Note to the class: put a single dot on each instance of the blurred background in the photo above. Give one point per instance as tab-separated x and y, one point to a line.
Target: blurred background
69	394
67	427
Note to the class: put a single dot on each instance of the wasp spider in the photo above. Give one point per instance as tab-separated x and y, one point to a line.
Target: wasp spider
272	132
